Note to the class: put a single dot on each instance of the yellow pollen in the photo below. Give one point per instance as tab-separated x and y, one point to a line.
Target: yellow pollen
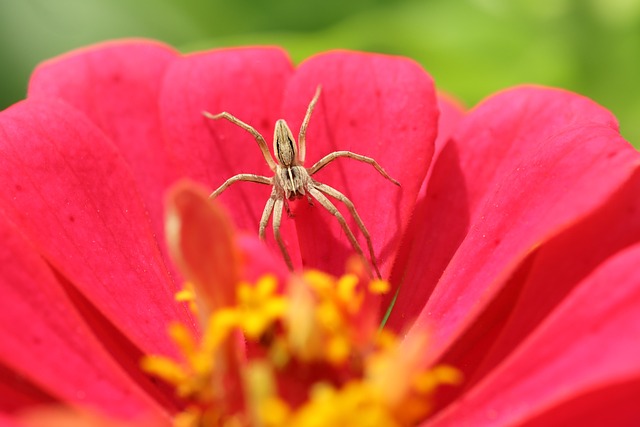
187	294
379	287
310	339
347	294
427	382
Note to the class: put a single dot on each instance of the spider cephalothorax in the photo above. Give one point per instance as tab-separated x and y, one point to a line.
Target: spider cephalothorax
291	180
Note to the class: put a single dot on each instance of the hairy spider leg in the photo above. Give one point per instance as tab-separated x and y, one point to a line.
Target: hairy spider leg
326	203
336	154
274	206
277	218
266	213
249	177
352	209
302	145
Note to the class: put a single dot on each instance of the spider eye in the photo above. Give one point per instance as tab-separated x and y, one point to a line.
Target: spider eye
284	145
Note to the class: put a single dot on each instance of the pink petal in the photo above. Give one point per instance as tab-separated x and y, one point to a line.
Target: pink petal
544	280
72	417
378	106
248	83
16	393
504	128
202	241
117	86
430	240
451	114
258	260
45	340
588	346
6	421
539	187
69	191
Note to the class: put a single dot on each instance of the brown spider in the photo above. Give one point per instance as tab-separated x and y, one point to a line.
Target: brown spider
291	180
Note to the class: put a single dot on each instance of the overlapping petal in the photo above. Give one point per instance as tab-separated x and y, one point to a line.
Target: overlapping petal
515	247
537	183
69	191
116	85
584	353
55	357
544	280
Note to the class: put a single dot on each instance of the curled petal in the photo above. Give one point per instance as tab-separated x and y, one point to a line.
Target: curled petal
202	242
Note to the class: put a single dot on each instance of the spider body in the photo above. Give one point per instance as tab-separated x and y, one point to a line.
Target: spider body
291	180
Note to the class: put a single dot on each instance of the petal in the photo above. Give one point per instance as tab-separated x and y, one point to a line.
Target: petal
6	421
539	188
504	128
541	283
374	105
430	240
202	241
69	191
44	339
117	86
16	393
205	245
248	83
588	344
258	260
70	417
451	114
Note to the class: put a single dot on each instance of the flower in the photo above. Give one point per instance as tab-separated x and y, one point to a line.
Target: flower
513	239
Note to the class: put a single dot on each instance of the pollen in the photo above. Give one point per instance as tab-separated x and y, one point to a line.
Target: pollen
188	295
301	353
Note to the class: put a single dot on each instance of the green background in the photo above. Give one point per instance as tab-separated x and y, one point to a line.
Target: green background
471	47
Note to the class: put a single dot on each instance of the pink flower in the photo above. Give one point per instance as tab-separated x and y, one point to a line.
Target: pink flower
515	244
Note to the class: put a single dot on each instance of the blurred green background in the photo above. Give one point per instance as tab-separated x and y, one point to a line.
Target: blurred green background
471	47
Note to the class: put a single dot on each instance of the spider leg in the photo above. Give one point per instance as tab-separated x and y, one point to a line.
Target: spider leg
259	138
266	213
349	204
302	145
277	218
241	177
326	203
332	156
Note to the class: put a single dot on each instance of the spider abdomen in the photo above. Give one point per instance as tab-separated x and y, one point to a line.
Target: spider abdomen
292	181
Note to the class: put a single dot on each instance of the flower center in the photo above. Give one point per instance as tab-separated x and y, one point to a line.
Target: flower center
309	353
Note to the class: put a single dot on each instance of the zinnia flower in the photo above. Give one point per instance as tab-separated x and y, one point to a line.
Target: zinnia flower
512	240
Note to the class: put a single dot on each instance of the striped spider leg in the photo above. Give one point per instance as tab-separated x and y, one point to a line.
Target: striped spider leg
291	180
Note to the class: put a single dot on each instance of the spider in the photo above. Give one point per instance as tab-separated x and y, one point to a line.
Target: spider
291	180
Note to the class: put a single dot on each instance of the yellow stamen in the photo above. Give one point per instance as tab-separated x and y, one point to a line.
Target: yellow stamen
188	295
379	287
164	368
317	325
428	381
347	294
